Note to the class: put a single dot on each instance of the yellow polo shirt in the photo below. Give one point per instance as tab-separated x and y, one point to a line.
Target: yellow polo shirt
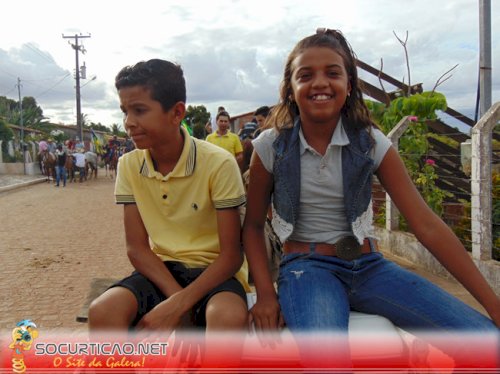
229	141
179	209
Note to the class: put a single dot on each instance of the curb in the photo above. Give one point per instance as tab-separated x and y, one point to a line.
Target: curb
22	184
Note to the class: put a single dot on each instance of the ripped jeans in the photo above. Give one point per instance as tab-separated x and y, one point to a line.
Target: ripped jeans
317	292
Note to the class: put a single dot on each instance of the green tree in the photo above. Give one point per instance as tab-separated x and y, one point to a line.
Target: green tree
197	117
98	126
32	112
413	145
6	134
117	130
7	107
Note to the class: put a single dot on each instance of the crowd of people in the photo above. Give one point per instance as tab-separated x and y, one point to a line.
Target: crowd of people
62	161
312	160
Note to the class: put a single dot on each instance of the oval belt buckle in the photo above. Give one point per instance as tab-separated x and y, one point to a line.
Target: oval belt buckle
348	248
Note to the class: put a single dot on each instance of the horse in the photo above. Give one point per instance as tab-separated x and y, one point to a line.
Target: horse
105	157
111	156
48	162
91	164
69	165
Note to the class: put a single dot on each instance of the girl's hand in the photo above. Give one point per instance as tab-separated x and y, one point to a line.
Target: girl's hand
266	315
495	313
267	318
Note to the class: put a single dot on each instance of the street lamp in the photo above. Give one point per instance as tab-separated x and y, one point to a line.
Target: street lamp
90	80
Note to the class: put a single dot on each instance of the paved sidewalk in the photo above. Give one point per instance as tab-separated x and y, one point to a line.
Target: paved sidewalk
9	182
55	241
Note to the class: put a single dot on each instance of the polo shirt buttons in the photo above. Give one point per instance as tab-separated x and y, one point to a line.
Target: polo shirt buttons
164	196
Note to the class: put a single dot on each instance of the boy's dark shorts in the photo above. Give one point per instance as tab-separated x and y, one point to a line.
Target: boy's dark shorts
148	295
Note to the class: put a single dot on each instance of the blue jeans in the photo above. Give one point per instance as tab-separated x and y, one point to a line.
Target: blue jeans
60	172
317	292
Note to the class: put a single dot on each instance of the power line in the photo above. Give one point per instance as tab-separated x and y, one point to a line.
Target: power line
44	92
39	52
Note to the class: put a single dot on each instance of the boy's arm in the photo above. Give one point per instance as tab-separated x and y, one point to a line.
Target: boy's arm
144	260
226	264
167	315
163	316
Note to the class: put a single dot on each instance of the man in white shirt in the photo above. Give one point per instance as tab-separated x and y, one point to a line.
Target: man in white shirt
80	163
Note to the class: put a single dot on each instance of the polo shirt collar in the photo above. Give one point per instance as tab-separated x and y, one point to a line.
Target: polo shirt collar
184	167
339	138
223	136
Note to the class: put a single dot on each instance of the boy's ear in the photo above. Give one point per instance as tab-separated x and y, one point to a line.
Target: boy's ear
179	110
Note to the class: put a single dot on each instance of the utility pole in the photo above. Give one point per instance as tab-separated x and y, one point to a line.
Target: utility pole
78	48
21	122
484	56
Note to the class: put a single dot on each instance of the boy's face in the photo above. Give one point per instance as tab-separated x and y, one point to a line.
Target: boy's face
145	121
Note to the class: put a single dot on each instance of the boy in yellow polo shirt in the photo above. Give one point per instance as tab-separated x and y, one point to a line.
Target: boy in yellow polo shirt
226	139
182	227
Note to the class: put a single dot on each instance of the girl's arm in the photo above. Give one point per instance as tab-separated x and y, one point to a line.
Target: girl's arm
434	234
266	312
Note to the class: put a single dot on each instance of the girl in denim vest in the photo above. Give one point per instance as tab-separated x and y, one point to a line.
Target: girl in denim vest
315	167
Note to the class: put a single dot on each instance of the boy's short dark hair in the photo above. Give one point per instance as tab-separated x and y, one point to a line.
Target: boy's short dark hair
164	80
222	113
263	111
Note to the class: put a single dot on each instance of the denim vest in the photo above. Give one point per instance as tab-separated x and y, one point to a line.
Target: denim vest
357	172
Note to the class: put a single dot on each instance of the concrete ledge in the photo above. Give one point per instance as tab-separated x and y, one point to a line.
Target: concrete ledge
22	184
405	245
19	168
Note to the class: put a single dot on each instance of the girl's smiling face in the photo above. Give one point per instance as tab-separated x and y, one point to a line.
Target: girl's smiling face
320	85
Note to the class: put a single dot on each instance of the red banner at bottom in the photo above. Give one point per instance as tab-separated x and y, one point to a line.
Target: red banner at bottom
244	353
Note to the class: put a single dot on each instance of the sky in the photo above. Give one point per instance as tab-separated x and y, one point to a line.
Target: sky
232	52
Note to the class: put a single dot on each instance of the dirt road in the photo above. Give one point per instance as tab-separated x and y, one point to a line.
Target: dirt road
53	242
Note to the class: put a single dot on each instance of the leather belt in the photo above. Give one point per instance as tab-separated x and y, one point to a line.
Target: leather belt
346	248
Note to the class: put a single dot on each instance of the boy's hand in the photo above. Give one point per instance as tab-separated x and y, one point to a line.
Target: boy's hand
166	316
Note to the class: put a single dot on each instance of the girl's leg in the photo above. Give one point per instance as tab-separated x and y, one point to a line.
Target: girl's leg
311	296
315	308
410	301
420	307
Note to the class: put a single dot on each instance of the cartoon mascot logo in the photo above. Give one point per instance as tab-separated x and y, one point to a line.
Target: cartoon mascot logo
22	338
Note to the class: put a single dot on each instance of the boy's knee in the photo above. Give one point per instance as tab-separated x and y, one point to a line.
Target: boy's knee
226	311
113	309
99	312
